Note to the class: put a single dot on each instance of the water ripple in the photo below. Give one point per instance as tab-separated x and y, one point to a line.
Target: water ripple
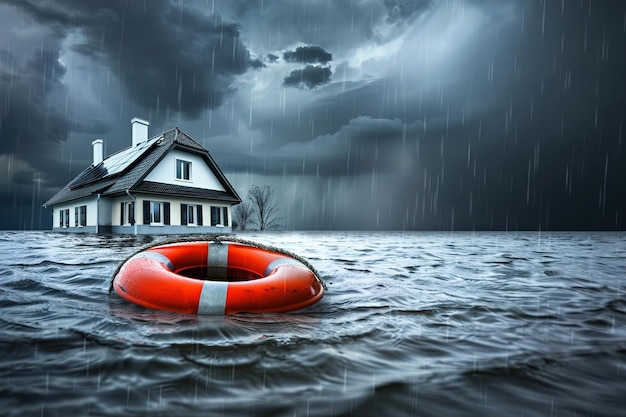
412	324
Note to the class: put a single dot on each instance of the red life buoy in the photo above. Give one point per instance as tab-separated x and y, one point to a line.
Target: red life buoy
216	278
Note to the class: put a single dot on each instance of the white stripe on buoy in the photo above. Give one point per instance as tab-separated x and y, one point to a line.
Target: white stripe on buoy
217	261
157	256
281	261
213	297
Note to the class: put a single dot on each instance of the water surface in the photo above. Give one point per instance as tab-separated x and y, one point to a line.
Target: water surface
430	324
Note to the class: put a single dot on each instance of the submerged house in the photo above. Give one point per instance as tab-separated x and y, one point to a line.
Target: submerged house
165	184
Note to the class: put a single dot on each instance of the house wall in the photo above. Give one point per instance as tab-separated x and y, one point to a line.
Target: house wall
90	226
175	226
108	212
201	174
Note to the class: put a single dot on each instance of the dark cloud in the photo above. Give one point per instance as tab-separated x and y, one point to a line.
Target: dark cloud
310	76
340	24
271	58
167	56
399	10
522	130
308	55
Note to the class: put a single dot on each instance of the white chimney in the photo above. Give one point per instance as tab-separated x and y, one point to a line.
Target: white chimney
140	130
97	151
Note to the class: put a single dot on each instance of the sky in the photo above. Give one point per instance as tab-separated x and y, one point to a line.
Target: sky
360	114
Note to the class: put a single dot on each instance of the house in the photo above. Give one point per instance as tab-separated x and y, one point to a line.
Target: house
166	184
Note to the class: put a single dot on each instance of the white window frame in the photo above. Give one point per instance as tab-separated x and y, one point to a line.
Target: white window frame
153	205
64	218
181	171
192	213
127	211
79	218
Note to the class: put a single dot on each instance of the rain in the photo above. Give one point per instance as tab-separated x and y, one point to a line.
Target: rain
447	115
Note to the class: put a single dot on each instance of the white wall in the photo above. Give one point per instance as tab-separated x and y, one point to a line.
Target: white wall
92	211
201	174
175	203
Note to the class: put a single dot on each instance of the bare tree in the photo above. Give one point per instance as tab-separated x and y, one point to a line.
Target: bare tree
263	201
242	215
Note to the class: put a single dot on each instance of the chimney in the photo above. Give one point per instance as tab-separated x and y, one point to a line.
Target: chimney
97	151
140	130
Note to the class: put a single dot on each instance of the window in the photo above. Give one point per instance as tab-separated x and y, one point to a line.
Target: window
215	216
156	209
64	218
183	170
191	214
127	213
80	216
219	216
156	212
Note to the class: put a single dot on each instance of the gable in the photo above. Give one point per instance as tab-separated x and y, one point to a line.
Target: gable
201	174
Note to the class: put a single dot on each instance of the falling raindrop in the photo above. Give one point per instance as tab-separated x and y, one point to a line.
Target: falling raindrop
543	21
606	168
490	71
528	183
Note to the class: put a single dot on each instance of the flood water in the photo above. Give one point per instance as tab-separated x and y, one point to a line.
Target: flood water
419	323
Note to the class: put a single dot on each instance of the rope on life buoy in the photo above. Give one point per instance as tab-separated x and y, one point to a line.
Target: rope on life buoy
218	239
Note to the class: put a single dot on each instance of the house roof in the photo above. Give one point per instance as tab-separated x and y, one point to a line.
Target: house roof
125	171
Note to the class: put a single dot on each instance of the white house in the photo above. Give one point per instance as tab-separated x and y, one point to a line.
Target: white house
165	184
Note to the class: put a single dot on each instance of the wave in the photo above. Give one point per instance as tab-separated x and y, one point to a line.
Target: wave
412	324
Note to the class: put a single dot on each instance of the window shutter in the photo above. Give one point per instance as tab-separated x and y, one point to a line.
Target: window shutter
83	215
76	216
214	216
225	216
166	213
122	214
146	211
131	214
183	214
199	214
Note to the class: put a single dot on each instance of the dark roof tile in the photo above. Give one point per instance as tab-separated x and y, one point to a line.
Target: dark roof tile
159	188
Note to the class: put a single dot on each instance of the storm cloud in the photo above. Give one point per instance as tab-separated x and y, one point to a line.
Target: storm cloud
166	56
308	55
405	9
463	114
310	76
